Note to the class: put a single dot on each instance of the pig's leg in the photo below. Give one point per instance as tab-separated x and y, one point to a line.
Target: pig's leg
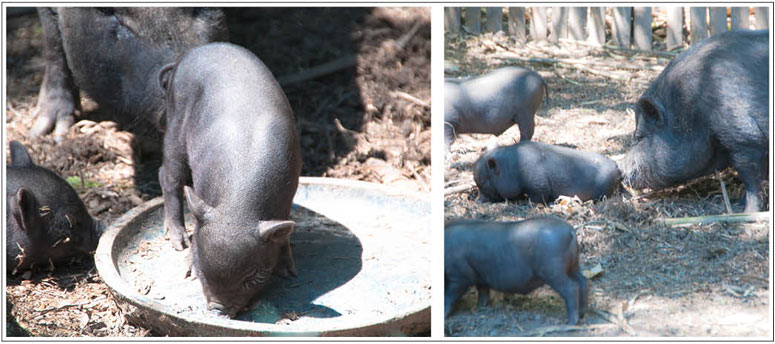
583	291
58	94
172	177
190	271
484	295
751	166
452	292
568	288
450	133
526	122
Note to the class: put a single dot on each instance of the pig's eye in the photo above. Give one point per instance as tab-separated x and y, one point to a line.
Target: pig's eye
637	135
255	278
491	164
252	279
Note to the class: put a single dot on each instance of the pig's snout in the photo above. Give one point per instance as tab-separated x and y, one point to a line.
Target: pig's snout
222	311
99	228
93	237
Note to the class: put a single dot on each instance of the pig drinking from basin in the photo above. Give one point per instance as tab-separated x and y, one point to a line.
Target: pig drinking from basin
230	130
706	111
114	55
543	172
493	102
46	221
514	257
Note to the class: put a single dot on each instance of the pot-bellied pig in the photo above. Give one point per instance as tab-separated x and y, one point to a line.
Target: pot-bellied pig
230	130
514	257
493	102
706	111
543	172
46	221
114	55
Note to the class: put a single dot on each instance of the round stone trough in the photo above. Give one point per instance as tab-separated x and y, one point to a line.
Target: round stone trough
362	252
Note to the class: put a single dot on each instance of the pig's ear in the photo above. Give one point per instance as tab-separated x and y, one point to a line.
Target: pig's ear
165	75
275	231
19	155
25	210
652	110
198	207
492	164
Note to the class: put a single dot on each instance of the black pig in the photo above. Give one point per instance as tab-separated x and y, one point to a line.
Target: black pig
114	54
231	130
514	257
46	221
706	111
544	172
493	102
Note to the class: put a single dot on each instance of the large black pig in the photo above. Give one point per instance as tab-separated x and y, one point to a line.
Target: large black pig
706	111
114	55
230	130
46	221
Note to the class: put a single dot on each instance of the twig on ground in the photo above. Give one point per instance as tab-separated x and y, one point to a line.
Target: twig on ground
566	79
70	305
319	70
724	193
339	63
401	42
704	220
459	188
562	328
456	181
590	102
411	98
674	189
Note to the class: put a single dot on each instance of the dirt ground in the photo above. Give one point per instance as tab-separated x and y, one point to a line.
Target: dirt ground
370	121
696	280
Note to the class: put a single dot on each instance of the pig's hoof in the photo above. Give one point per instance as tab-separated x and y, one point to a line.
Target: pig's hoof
43	125
62	127
573	321
177	235
190	274
179	243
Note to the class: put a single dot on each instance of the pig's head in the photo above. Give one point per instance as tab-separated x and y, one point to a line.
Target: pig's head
58	231
233	259
672	144
493	182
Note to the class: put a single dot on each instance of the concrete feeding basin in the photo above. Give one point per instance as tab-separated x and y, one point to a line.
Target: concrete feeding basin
362	252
